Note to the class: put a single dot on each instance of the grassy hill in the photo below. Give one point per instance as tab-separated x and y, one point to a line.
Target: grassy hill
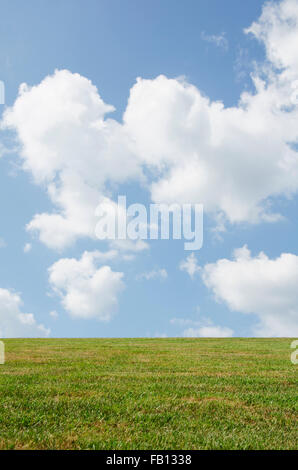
148	394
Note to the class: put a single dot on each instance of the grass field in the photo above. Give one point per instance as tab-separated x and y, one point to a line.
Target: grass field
148	394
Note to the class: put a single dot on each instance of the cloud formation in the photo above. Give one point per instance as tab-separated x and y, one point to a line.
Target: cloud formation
233	160
14	323
277	30
86	290
261	286
70	148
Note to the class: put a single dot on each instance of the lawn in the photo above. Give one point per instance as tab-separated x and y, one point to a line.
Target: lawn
148	394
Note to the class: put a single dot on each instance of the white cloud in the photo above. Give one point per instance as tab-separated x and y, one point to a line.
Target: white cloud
261	286
2	243
13	322
86	290
230	159
218	40
160	274
27	247
63	120
69	146
190	265
233	160
208	332
243	152
277	30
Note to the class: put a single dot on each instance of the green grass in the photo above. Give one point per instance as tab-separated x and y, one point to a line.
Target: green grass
148	394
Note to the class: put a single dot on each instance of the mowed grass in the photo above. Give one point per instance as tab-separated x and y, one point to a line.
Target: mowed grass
148	394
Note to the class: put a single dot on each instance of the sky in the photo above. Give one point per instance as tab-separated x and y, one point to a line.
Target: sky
166	101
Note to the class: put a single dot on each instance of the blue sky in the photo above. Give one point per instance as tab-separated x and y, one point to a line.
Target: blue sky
242	156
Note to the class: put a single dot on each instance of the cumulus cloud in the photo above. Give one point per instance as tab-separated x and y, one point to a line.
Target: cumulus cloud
86	290
69	147
243	152
258	285
13	322
277	30
190	265
233	160
159	274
